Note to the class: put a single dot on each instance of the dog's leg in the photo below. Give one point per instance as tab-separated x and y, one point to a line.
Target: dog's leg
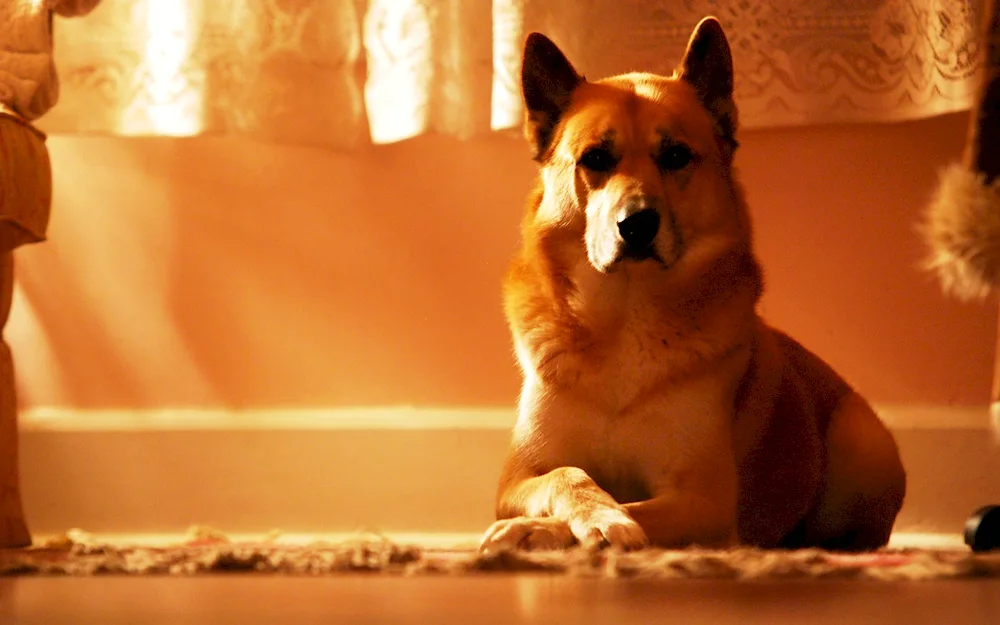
699	510
556	510
675	521
864	484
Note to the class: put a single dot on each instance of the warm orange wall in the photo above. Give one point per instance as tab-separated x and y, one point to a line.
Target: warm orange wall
836	209
217	272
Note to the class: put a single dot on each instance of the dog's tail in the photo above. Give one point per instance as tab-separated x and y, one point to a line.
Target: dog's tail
962	230
962	223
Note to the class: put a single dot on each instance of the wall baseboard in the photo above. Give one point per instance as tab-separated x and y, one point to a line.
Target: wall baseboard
896	416
377	418
399	470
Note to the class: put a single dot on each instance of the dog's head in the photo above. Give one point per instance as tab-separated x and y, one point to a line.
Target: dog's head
639	165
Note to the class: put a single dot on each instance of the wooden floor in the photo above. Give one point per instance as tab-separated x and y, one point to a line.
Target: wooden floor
486	600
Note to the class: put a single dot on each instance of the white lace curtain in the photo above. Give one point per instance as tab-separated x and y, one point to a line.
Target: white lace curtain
341	73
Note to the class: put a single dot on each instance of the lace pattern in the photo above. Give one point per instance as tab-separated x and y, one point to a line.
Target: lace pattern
345	72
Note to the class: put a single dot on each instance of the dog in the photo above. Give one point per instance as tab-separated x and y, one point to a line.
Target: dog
657	407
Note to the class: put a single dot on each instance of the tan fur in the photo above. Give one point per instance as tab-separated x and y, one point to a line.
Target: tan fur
657	407
962	229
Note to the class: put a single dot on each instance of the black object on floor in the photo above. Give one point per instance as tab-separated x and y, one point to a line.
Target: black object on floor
982	530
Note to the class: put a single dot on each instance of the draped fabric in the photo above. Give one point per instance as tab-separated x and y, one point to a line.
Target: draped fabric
342	73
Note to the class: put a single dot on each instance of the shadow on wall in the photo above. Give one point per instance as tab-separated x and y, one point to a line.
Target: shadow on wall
217	272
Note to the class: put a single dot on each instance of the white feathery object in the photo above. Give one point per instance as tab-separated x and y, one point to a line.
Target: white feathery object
962	229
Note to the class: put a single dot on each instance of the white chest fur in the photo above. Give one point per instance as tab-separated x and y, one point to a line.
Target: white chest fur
628	420
633	452
651	397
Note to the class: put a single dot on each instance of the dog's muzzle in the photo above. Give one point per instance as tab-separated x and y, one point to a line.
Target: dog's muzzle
638	231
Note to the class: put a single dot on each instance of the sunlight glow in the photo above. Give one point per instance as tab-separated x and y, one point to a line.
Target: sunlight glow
32	346
508	35
172	102
29	6
397	37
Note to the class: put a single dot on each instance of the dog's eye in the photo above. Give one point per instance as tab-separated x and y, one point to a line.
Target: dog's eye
674	157
598	159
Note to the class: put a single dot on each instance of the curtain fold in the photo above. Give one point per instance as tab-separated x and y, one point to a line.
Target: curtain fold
429	67
343	73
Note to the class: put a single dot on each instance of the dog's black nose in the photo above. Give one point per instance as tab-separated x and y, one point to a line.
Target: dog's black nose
639	229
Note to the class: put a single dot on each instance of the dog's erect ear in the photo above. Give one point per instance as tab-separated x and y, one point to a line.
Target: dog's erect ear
708	67
547	81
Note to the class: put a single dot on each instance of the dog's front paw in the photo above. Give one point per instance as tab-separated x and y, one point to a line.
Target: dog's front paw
611	527
527	533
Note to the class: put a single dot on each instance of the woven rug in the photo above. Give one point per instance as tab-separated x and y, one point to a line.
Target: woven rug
210	552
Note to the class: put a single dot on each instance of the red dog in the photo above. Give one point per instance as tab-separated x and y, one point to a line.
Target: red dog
657	406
